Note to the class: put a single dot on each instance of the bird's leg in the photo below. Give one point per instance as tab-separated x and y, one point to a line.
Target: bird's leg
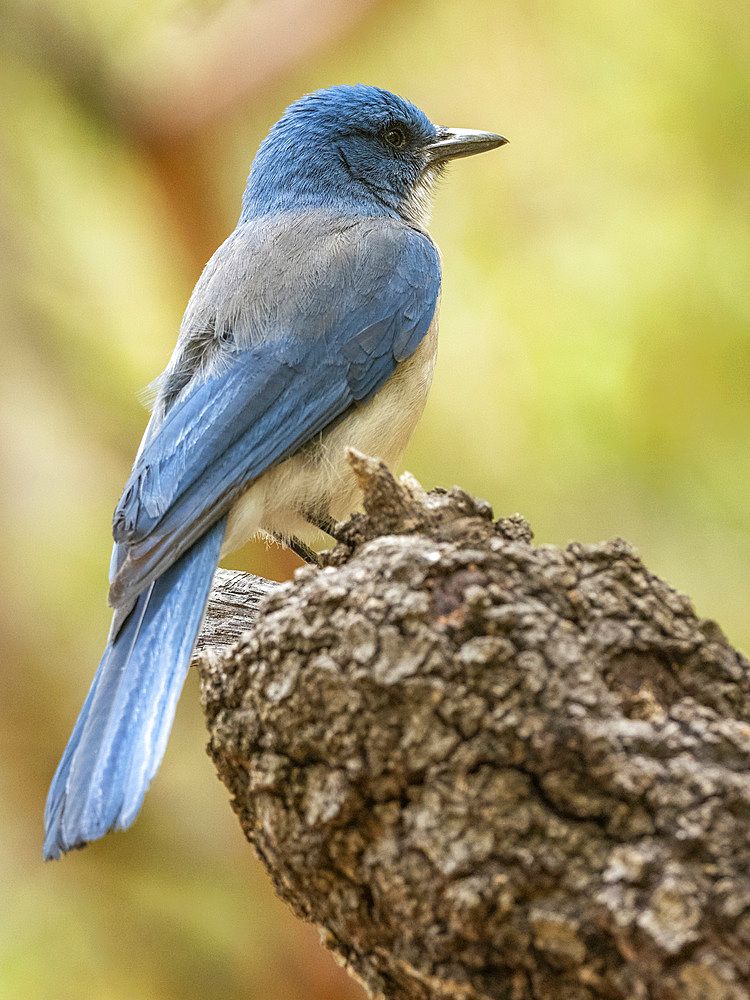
323	521
304	551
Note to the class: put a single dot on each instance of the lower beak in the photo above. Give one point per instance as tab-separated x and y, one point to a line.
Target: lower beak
455	142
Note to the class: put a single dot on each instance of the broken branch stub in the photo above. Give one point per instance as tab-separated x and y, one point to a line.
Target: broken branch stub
489	770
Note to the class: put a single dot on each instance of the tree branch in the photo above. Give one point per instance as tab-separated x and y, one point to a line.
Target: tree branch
232	607
489	770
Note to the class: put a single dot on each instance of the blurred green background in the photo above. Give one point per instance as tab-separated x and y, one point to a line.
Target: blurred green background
593	374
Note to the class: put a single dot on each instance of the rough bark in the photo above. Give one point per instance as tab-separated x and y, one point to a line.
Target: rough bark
489	770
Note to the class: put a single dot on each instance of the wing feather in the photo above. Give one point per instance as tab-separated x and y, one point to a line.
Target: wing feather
230	427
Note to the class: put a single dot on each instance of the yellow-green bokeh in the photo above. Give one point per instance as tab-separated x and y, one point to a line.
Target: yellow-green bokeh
594	374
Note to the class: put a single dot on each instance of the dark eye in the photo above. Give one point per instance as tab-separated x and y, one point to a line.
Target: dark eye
395	137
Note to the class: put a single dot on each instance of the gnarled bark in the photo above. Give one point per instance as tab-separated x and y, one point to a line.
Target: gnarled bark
489	770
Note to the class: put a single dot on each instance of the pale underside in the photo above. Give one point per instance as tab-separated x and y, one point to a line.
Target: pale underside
381	427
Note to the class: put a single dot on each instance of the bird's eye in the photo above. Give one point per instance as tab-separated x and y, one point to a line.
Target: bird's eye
395	137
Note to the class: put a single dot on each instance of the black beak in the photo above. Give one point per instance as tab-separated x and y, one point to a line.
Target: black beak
455	142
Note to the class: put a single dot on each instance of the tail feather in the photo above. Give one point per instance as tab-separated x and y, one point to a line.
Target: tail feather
121	734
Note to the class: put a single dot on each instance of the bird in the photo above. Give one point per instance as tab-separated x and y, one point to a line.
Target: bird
311	330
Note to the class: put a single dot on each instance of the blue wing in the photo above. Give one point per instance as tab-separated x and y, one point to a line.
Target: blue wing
228	429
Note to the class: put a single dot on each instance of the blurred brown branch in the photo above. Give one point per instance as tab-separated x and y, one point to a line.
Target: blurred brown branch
490	770
180	78
190	71
202	71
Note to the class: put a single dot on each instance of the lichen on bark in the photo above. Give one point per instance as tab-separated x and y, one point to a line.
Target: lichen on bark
492	770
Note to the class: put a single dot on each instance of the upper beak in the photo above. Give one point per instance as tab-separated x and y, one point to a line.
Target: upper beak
454	142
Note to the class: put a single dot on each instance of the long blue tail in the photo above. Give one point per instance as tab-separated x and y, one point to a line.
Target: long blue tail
121	733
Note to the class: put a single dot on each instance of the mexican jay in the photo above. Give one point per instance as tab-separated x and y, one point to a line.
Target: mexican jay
312	328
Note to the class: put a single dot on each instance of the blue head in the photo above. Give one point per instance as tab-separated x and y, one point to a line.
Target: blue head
354	149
